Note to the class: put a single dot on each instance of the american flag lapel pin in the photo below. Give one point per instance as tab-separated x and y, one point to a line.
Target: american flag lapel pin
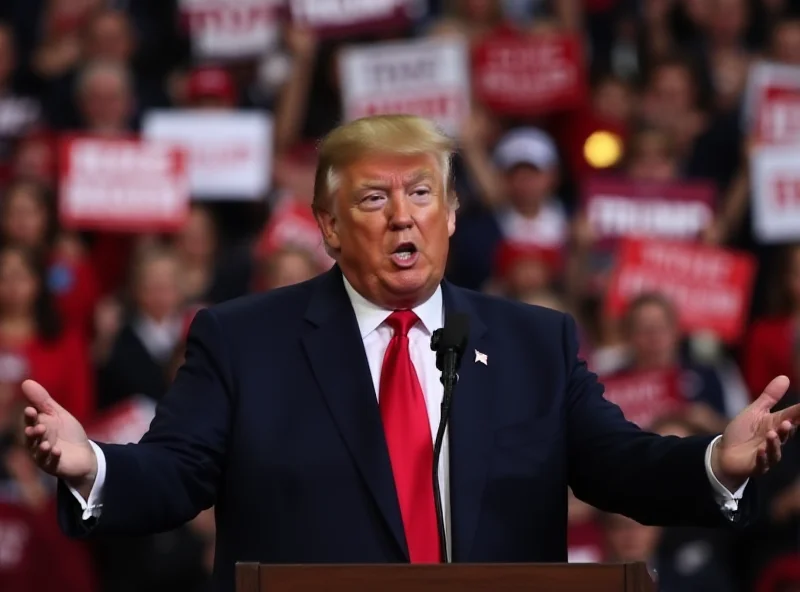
481	357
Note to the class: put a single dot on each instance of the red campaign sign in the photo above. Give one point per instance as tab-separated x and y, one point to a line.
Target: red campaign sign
438	106
343	18
645	396
124	185
710	287
529	76
618	208
778	115
124	423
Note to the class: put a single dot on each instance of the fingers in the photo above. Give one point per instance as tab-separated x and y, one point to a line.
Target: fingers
773	393
785	431
773	448
790	414
38	396
762	465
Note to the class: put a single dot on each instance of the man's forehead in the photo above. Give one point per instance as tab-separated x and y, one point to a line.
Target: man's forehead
393	168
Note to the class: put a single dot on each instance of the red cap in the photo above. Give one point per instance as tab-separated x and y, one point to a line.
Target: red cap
509	254
211	83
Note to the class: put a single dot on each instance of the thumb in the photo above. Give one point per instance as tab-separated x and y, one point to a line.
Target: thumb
38	396
772	394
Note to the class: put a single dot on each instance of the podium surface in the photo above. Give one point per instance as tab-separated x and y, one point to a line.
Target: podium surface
561	577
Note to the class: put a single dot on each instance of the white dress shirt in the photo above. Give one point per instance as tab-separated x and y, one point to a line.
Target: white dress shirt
376	336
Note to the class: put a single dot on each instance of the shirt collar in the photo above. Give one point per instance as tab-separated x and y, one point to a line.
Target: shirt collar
370	316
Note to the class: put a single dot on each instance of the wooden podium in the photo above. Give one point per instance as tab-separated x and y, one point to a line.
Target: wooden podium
460	577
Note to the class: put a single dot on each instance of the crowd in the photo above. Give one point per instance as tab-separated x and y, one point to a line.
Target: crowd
98	315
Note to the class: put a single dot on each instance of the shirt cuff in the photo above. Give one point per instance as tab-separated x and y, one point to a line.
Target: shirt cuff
728	502
92	508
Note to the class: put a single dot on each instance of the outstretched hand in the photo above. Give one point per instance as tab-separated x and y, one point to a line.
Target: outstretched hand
56	440
752	441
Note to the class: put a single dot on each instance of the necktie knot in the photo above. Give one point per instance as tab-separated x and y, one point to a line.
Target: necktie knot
401	321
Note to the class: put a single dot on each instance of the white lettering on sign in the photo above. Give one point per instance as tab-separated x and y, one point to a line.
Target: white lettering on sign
91	158
674	261
338	12
108	197
619	216
701	300
14	537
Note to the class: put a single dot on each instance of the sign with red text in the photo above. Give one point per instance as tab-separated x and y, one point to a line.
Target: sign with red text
428	78
775	179
125	185
230	29
125	422
619	208
778	116
709	286
527	75
645	397
769	101
343	18
230	152
292	225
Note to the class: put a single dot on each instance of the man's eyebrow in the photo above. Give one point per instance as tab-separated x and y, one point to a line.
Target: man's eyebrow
416	177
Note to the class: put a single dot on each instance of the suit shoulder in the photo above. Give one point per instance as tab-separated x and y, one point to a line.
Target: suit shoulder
279	304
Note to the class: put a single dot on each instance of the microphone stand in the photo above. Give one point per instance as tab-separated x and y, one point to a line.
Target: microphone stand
449	379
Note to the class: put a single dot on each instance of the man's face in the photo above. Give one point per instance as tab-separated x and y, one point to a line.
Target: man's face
529	186
390	222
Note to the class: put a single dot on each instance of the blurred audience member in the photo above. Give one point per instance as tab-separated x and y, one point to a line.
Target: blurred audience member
31	331
522	206
28	219
286	266
136	361
105	99
774	340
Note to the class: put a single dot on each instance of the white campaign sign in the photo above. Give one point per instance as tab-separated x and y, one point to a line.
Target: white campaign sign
230	153
776	193
231	28
763	75
429	78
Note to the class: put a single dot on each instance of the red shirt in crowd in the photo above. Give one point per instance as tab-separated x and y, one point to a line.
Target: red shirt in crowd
61	366
76	290
769	352
36	557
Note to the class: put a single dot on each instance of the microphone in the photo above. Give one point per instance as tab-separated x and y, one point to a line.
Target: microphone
449	344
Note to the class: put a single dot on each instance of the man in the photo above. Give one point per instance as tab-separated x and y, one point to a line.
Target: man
305	415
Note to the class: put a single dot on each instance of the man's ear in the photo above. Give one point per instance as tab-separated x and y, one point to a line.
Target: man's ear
451	214
329	229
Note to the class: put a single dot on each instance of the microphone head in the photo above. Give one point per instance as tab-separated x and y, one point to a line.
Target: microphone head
453	336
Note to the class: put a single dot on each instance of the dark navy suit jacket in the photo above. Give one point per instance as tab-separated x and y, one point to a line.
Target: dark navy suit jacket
274	419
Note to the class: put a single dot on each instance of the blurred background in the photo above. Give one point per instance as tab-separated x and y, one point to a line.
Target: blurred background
631	162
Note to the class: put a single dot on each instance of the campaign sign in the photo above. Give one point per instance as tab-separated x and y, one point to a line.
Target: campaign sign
344	18
645	397
231	29
124	185
769	99
527	75
618	208
428	78
775	179
709	286
230	152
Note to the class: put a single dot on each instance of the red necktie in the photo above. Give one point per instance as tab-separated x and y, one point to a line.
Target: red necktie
408	435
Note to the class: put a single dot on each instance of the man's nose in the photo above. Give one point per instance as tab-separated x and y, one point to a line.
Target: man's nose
400	212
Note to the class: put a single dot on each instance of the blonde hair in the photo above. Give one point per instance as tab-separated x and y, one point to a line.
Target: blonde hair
380	134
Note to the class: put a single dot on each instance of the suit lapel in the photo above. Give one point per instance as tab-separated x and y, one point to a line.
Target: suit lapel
336	354
470	434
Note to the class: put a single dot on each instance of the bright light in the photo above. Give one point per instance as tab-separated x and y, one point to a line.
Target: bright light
602	149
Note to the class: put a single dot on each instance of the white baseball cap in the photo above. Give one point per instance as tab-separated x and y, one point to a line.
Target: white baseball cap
526	145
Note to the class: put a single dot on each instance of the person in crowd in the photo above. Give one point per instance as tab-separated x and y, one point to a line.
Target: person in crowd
31	331
135	361
104	99
210	88
774	339
208	273
520	270
653	336
519	188
27	219
286	266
